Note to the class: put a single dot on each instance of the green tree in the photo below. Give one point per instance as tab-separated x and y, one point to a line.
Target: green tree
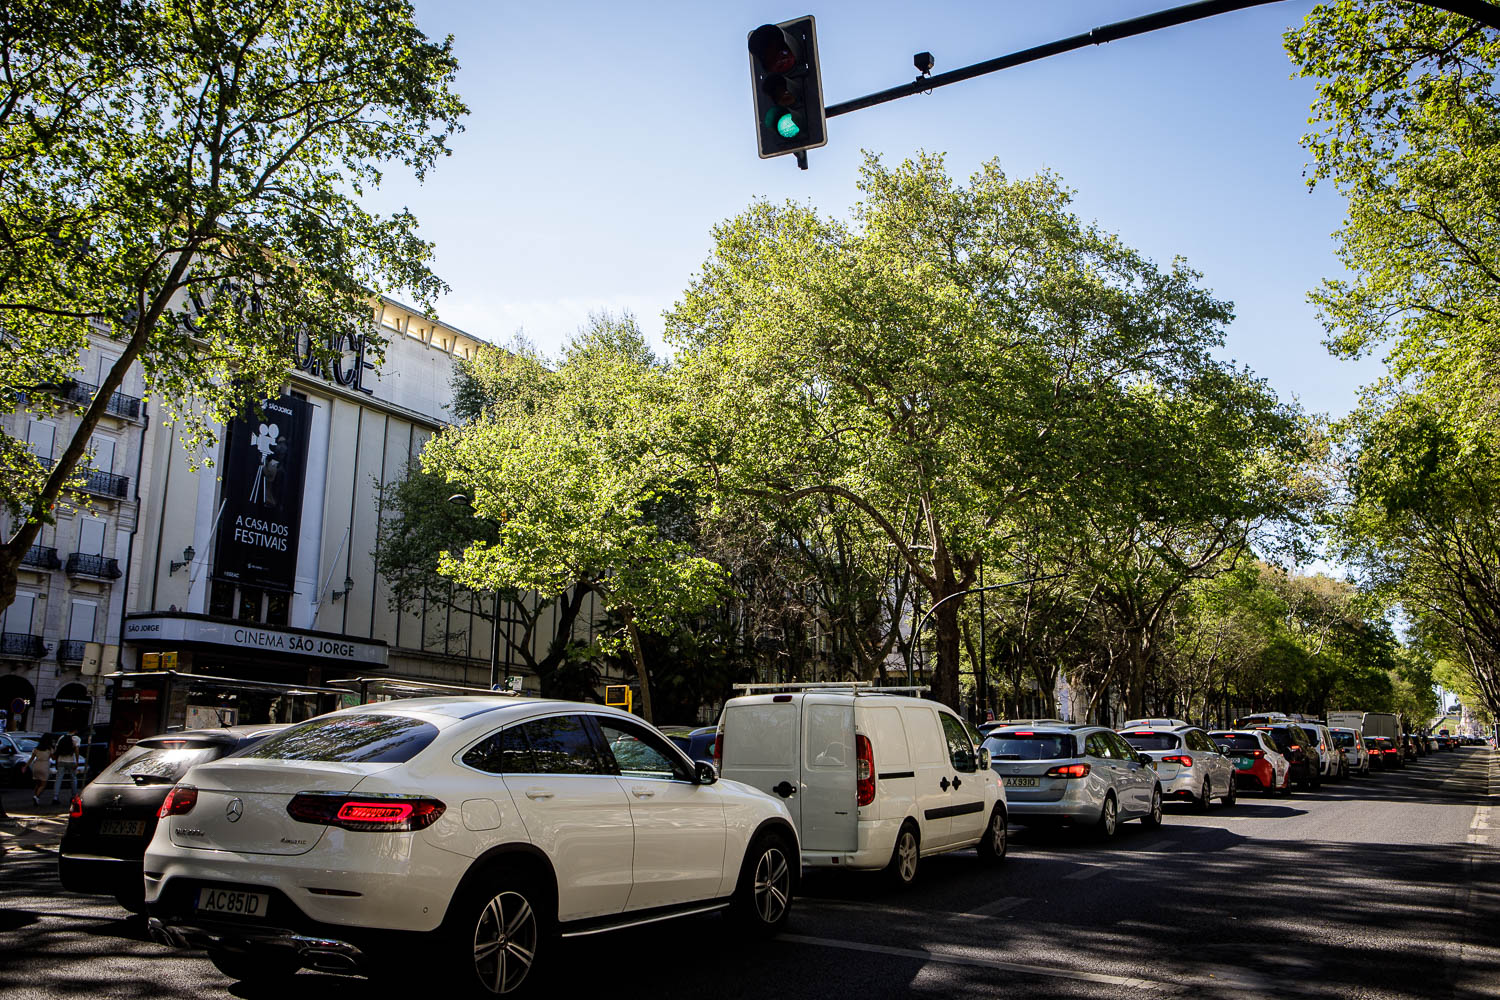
952	354
186	176
580	492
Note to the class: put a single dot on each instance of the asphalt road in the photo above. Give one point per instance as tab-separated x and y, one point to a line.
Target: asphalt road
1378	888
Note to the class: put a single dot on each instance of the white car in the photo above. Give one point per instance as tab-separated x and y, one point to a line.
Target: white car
874	781
481	828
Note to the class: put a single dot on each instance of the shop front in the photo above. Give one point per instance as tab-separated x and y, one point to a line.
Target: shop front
227	673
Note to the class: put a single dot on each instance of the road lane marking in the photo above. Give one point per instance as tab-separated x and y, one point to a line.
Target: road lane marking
950	958
998	906
1086	873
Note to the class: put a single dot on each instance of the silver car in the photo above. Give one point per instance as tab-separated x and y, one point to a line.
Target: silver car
1083	775
1188	764
1352	745
1333	765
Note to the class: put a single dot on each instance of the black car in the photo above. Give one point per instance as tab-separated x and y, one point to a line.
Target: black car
697	743
1300	750
112	821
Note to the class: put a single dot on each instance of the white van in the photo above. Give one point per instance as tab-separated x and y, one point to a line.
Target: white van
873	780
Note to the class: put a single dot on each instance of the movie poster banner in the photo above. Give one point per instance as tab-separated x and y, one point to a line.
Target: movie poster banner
264	467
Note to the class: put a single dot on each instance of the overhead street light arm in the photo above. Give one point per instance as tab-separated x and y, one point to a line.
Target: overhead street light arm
1479	10
916	633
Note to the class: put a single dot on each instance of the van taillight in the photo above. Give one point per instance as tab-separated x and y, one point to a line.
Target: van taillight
719	747
866	773
1068	771
179	800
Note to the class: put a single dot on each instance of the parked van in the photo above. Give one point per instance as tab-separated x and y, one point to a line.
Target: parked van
873	780
1382	724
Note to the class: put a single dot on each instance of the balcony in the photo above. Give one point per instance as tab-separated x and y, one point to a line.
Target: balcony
83	394
42	557
105	484
71	650
22	645
103	567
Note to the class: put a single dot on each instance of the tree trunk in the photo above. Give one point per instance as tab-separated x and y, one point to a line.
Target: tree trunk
945	687
640	666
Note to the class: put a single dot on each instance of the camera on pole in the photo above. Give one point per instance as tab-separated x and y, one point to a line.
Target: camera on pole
787	89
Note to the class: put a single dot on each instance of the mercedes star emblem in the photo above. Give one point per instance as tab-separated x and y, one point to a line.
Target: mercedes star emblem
234	810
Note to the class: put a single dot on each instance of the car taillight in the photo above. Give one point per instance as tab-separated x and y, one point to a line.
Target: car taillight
75	808
865	782
365	812
1257	753
1068	771
719	747
1294	747
1182	759
179	800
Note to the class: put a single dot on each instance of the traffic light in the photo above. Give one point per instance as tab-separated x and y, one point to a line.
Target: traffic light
787	88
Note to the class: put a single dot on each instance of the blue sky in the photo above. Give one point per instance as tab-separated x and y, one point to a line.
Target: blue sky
606	139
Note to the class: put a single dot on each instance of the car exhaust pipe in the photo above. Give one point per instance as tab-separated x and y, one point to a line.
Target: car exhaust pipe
327	954
162	934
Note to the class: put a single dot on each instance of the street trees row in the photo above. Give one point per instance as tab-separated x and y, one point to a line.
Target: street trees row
861	411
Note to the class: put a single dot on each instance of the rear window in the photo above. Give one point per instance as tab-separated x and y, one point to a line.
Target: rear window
1343	739
1042	746
357	739
1152	741
160	763
1238	740
1280	737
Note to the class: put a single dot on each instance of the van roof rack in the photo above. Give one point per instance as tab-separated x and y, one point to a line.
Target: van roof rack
857	687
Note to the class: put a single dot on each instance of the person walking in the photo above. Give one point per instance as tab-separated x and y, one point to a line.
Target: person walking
39	764
67	763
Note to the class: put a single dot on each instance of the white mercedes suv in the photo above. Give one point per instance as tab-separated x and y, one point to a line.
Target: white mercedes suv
482	827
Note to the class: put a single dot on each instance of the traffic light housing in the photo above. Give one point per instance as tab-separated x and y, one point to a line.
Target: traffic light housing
787	87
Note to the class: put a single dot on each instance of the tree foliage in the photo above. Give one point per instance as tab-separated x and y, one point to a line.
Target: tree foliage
186	177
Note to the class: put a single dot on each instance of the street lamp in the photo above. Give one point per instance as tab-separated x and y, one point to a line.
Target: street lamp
916	633
462	500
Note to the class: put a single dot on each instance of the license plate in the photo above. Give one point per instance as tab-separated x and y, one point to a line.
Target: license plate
1243	763
122	828
240	904
1020	781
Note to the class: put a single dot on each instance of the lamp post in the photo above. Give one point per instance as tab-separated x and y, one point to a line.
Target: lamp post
463	500
916	633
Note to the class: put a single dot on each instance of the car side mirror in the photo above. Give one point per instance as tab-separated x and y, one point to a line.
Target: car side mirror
704	773
1142	758
984	758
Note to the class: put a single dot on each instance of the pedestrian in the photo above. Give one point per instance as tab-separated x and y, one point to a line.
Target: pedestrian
39	764
67	763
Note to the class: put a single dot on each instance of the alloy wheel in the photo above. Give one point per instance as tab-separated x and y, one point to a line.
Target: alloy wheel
773	885
1109	818
505	939
906	855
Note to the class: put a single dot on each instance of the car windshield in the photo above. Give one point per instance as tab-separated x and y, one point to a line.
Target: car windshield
1343	739
1239	741
1152	741
1031	746
370	738
160	762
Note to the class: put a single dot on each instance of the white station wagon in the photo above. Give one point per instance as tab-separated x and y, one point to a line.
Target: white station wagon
481	827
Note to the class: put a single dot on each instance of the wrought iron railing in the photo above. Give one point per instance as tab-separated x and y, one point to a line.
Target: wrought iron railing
41	556
71	650
91	565
22	644
83	393
105	484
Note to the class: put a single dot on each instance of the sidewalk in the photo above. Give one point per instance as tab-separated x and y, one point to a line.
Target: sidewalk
36	827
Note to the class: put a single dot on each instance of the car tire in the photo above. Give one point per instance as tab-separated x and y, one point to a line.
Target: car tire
255	965
1315	777
996	839
1232	795
496	931
906	856
1286	789
763	898
1152	819
1204	800
1109	818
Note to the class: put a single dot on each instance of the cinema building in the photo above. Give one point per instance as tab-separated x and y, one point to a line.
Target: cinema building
251	564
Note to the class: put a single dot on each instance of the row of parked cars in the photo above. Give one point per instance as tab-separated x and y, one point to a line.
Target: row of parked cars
490	827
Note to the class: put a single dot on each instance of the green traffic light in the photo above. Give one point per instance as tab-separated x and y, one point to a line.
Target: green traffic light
787	127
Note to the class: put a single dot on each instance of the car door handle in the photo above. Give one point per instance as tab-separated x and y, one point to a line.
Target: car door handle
943	784
786	789
538	793
642	793
956	782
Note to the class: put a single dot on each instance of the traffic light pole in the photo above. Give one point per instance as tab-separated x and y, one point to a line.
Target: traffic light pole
1478	10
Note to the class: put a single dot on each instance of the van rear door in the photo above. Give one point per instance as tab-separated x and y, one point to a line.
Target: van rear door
761	739
830	810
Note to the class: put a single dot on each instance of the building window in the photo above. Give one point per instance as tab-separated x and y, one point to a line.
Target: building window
221	599
277	607
249	604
